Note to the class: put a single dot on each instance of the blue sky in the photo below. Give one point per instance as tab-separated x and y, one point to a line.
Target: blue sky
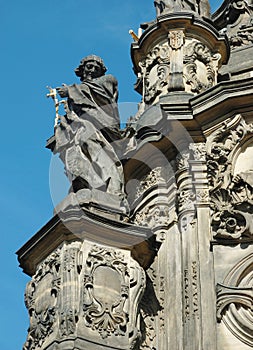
41	44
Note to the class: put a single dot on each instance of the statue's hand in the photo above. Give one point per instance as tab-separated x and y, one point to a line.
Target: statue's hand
63	90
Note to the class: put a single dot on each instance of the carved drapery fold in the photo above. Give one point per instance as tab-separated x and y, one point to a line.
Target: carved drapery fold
164	7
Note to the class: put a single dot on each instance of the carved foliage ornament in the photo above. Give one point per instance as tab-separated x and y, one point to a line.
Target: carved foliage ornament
189	192
153	211
154	216
105	292
159	54
153	178
191	292
198	63
200	67
233	219
239	18
159	85
154	72
41	301
231	196
71	268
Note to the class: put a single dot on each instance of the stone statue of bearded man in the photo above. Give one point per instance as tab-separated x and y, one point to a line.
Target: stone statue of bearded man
86	136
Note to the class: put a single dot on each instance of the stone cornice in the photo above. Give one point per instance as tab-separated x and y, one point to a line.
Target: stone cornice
79	224
194	26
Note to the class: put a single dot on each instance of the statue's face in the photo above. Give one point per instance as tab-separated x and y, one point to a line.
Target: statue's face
92	69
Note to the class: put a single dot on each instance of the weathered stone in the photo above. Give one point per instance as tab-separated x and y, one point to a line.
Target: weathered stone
155	252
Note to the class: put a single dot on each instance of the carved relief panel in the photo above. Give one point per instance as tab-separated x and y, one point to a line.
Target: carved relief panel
106	290
155	69
231	188
42	300
177	64
85	290
200	67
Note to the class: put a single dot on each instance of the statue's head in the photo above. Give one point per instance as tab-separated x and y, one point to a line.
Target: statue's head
90	67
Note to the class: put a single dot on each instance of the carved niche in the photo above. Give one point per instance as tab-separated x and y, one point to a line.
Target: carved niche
231	194
235	301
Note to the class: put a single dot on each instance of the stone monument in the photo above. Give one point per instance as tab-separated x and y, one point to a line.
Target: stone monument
153	246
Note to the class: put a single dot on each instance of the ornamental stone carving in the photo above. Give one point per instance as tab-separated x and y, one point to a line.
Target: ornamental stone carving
191	292
154	204
153	178
200	67
232	210
231	196
83	288
238	20
235	301
155	69
156	216
176	39
106	271
180	63
161	74
41	299
152	306
219	150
